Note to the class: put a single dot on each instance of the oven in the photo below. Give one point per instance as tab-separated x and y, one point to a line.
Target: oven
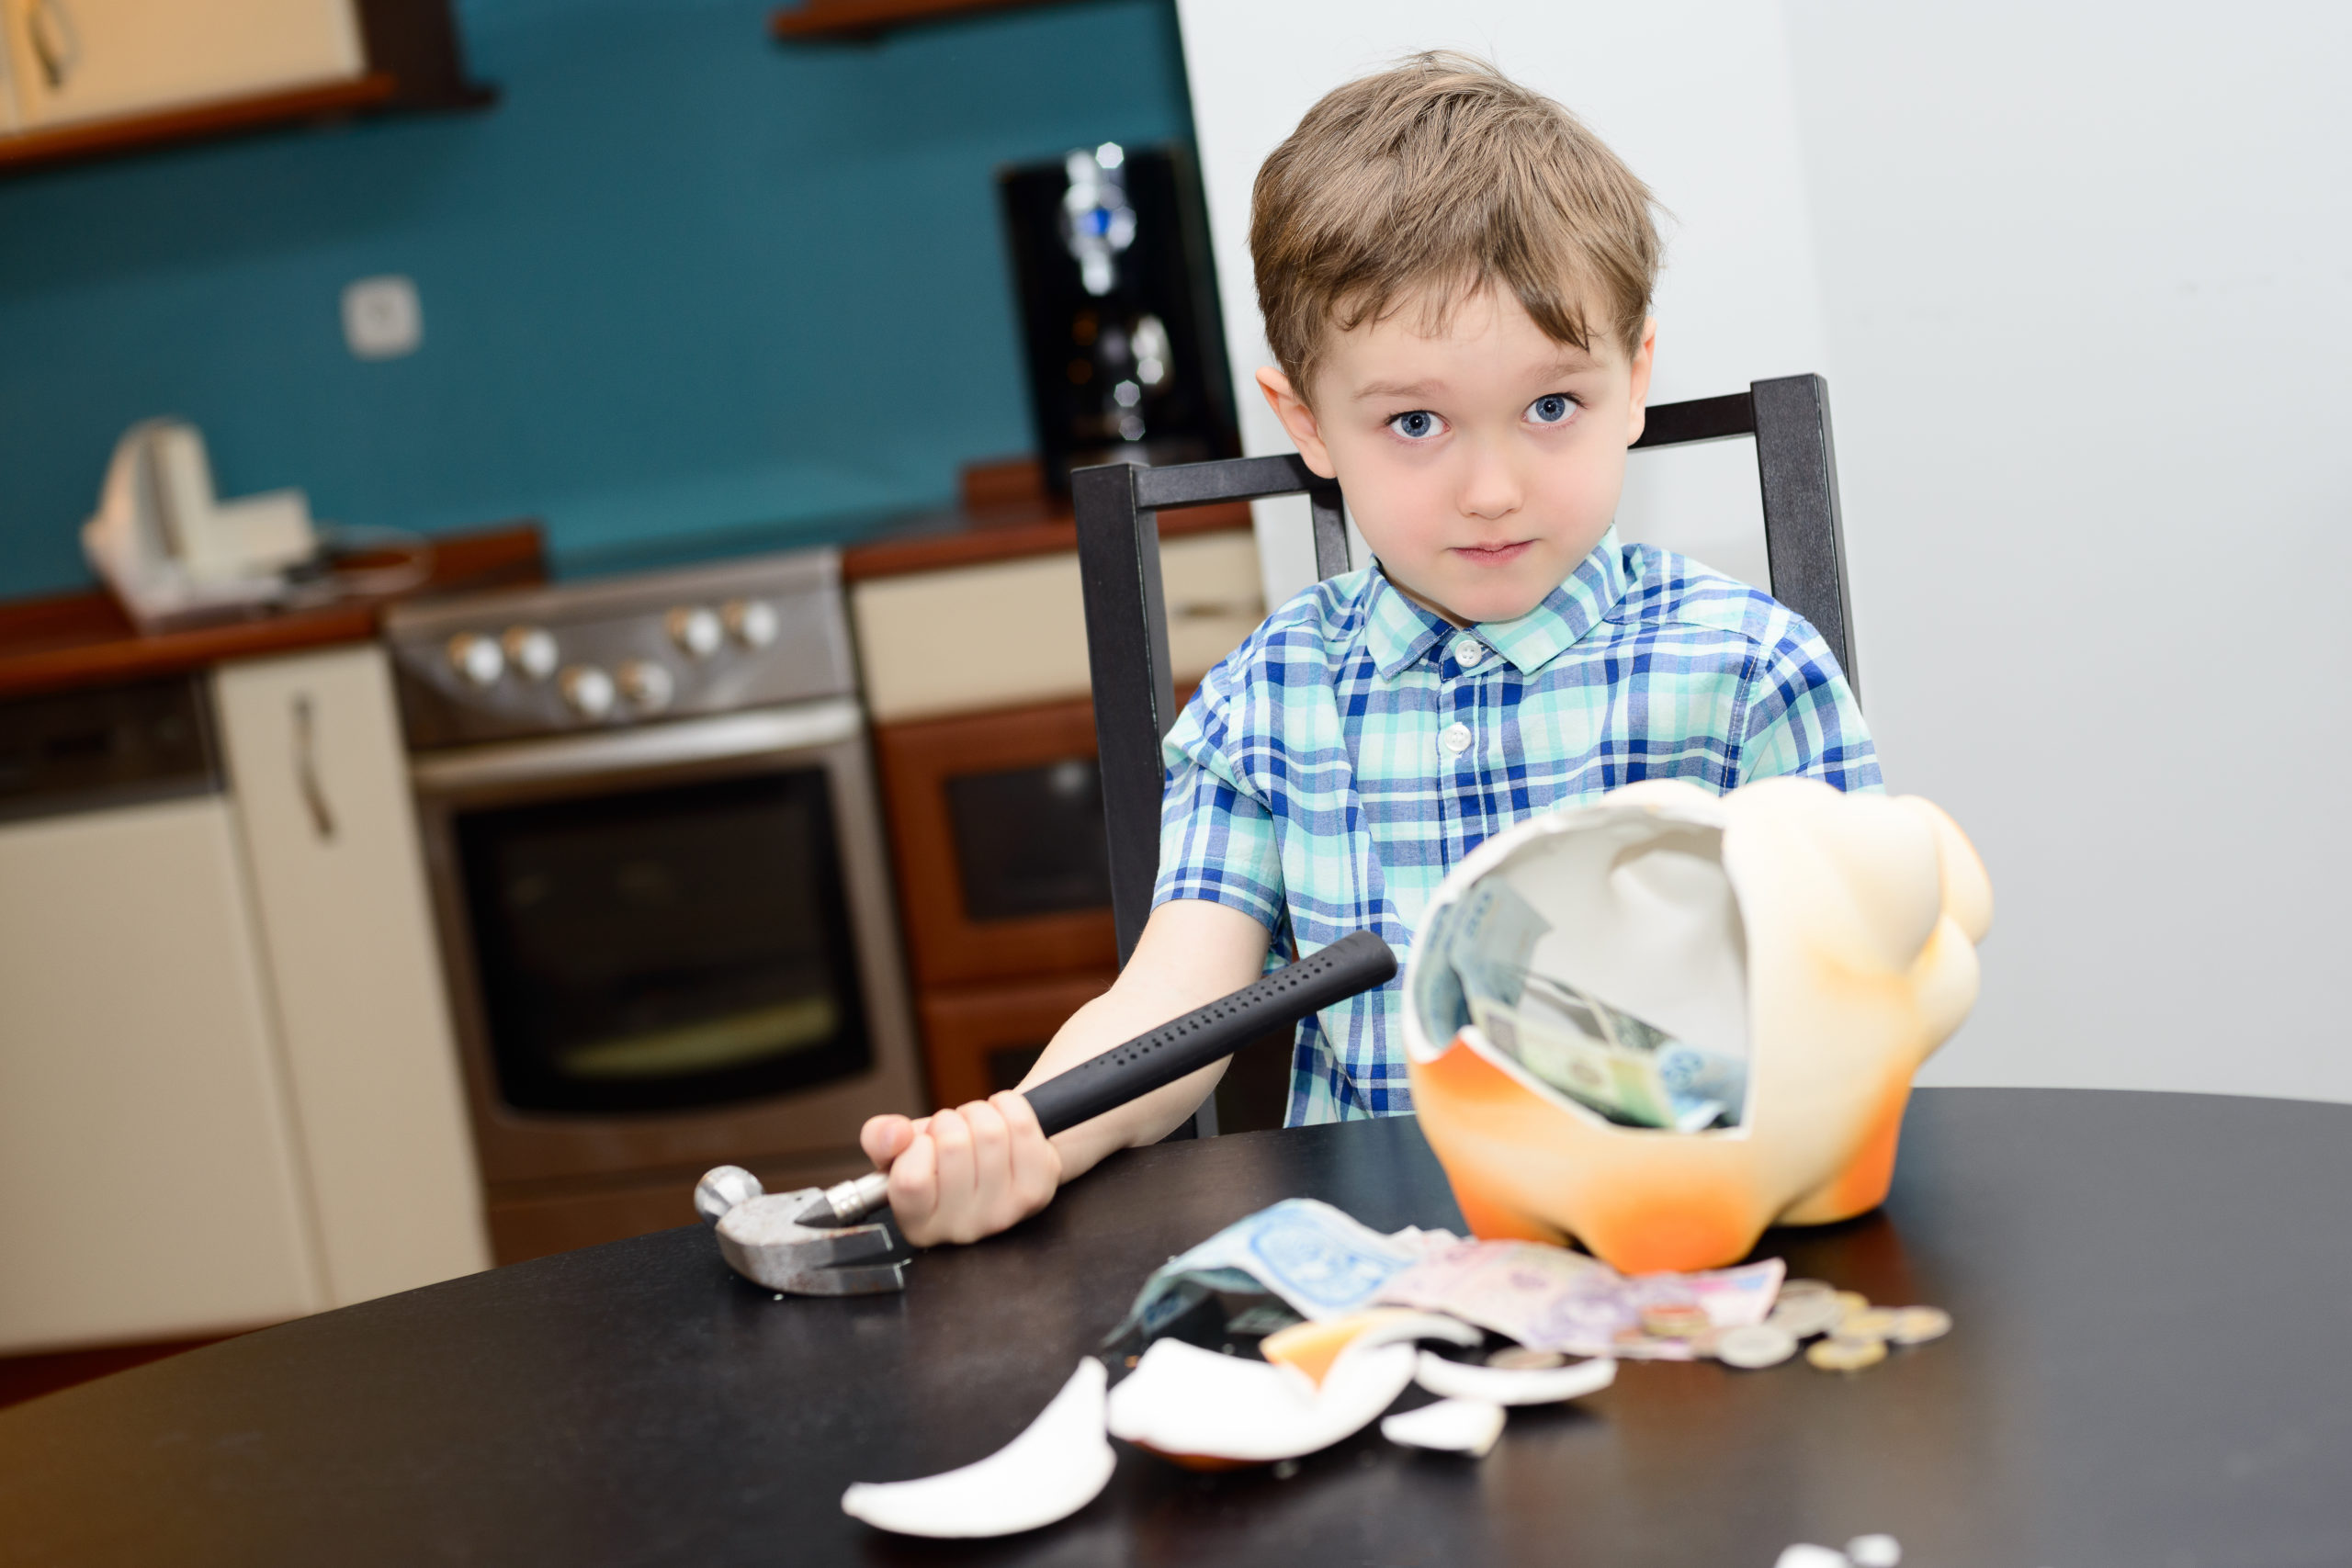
652	833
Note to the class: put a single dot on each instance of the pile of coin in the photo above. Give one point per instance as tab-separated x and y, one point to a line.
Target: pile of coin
1849	1332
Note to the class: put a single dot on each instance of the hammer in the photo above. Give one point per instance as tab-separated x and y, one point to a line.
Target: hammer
814	1241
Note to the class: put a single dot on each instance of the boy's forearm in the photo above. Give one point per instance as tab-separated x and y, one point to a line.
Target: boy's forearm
1190	954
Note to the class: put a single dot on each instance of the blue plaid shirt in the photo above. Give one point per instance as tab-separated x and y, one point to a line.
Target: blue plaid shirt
1334	767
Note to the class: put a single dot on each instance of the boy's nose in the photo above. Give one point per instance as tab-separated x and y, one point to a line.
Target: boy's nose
1490	490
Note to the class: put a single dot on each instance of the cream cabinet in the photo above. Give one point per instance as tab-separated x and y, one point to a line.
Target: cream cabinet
149	1183
73	61
321	786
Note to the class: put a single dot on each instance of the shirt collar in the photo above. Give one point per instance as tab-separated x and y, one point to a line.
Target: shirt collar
1399	631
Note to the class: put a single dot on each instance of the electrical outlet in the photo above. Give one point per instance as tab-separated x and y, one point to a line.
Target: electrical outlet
382	318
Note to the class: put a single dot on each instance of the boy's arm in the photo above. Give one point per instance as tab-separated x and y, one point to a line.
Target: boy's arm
963	1174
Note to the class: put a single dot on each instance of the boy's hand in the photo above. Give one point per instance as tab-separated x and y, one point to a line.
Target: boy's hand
963	1174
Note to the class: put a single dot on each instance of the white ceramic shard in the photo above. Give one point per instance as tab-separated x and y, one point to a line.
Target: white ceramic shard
1313	1345
1450	1426
1196	1406
1051	1470
1512	1385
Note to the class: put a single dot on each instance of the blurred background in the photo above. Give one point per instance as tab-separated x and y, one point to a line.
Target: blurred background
591	681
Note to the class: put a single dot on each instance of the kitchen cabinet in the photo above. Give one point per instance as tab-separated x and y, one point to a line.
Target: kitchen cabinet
228	1091
150	1185
71	61
320	781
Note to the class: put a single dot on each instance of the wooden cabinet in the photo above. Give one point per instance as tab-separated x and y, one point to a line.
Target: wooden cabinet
149	1183
320	787
73	61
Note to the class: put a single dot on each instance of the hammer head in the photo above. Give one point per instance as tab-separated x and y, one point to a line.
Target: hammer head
763	1239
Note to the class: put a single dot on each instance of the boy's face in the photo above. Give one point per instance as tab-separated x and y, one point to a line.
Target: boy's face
1484	462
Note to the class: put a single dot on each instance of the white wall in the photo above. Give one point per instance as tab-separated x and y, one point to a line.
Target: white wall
2078	278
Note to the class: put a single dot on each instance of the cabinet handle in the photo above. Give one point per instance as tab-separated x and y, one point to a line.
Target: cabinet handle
54	40
306	769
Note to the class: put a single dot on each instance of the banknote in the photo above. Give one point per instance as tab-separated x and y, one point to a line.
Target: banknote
1552	1299
1323	1262
1610	1060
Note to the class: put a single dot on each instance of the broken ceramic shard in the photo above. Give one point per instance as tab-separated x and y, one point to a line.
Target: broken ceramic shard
1509	1385
1048	1473
1823	943
1313	1346
1198	1407
1450	1426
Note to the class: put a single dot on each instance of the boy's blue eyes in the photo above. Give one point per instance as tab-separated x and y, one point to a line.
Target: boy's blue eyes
1421	425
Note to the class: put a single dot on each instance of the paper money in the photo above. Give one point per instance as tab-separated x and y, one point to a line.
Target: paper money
1322	1261
1551	1299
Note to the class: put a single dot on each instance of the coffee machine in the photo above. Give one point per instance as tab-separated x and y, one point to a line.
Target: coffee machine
1118	304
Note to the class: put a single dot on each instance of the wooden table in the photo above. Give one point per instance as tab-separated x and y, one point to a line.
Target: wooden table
2153	1295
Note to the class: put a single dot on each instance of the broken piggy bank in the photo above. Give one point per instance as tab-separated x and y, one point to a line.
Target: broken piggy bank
1663	1022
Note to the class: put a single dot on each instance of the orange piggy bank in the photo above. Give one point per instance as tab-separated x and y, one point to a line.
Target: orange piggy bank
1807	949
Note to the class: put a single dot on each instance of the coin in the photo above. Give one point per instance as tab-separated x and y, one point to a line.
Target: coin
1853	1301
1791	1289
1839	1354
1761	1345
1806	1317
1916	1325
1871	1322
1675	1320
1526	1358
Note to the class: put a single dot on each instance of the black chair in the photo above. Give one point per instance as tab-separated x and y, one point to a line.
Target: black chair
1127	618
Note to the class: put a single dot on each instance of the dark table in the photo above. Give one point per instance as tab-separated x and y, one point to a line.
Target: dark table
2154	1304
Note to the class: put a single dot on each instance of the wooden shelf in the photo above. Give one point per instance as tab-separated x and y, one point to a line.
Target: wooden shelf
819	21
99	138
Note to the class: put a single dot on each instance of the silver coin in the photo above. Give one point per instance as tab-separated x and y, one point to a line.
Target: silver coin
1761	1345
1791	1289
1806	1317
1916	1325
1523	1359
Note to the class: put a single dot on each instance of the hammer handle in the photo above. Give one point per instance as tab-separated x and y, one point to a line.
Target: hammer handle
1357	962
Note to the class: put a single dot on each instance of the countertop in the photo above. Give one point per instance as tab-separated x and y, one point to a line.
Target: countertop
81	639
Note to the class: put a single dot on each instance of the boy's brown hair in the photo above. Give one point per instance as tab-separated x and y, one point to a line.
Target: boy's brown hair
1432	182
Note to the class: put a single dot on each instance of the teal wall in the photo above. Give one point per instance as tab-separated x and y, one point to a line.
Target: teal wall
681	283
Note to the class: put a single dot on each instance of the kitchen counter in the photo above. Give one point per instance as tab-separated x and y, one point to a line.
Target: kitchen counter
78	639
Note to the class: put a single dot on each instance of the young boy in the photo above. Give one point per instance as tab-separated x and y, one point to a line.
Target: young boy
1455	277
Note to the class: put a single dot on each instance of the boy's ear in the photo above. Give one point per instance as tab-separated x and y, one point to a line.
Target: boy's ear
1297	419
1644	360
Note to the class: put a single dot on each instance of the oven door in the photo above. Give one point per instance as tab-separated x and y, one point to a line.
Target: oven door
671	945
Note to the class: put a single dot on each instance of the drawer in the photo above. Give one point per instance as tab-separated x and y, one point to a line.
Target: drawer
1009	633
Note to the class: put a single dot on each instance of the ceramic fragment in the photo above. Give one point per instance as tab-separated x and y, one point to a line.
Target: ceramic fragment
1205	1410
1313	1346
1051	1470
1507	1385
1450	1426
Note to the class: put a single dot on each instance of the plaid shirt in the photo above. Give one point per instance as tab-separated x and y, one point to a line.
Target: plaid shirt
1334	767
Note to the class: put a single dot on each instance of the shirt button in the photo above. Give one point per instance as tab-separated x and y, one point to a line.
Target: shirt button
1455	739
1468	654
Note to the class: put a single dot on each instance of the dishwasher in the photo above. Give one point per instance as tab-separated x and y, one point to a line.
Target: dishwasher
149	1179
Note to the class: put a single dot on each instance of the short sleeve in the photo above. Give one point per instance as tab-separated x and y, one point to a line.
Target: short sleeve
1217	836
1803	719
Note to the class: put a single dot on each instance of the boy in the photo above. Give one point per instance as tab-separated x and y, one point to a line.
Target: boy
1455	277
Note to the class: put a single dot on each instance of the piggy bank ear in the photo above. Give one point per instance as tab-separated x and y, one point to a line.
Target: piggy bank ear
1967	891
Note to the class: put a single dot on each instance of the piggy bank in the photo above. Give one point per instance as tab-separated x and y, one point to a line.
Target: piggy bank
1661	1022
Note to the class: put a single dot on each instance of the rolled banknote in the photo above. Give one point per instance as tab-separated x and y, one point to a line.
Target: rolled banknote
1323	1262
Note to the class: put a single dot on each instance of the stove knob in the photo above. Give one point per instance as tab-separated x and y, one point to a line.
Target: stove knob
750	622
647	685
695	630
475	658
530	651
588	691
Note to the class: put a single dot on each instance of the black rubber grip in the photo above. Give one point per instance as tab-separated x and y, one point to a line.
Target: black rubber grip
1357	962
